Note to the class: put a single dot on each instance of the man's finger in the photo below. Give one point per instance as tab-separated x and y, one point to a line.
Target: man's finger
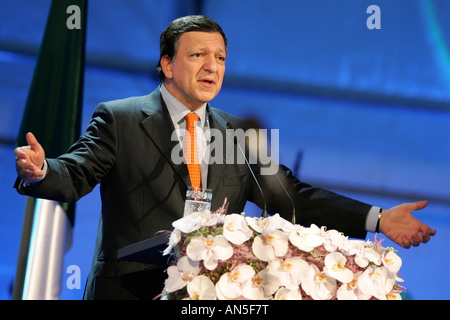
19	153
405	243
417	205
416	240
32	141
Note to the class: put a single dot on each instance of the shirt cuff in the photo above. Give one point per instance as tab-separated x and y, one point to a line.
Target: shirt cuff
29	183
372	219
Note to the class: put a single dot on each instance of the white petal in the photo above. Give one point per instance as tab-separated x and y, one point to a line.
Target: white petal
270	281
392	261
201	288
210	263
253	292
335	267
235	229
373	256
228	289
222	249
187	265
287	294
196	249
346	293
281	244
262	250
174	281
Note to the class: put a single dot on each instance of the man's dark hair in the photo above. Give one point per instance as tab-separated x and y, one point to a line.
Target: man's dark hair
170	36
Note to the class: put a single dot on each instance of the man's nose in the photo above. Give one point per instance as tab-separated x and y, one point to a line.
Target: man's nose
211	64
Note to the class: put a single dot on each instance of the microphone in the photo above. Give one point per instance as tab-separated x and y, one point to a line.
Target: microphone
290	199
264	214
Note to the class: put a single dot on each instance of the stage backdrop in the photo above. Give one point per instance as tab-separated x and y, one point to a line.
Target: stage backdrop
361	94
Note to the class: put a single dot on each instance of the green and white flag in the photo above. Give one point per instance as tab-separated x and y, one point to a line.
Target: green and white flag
53	114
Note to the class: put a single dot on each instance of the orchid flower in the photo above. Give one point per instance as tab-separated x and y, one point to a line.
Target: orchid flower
267	247
195	221
174	239
335	267
230	284
333	239
377	281
351	291
266	225
210	249
392	261
317	284
289	271
306	239
363	253
261	286
201	288
180	275
235	229
288	294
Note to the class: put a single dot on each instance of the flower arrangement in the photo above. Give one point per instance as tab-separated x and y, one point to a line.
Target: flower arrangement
232	256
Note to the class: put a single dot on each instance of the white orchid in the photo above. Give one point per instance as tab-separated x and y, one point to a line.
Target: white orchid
180	275
288	294
270	258
333	239
317	284
392	261
306	239
364	253
235	229
174	239
289	271
201	288
268	224
209	249
351	291
261	286
377	281
230	283
335	267
267	247
195	221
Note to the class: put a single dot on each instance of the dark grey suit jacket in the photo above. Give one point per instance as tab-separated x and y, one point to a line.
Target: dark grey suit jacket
127	149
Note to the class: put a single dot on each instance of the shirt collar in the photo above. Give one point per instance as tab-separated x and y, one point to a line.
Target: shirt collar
178	111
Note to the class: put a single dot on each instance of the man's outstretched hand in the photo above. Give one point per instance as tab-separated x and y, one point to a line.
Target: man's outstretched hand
399	225
30	159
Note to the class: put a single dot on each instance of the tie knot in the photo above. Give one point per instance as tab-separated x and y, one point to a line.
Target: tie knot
191	118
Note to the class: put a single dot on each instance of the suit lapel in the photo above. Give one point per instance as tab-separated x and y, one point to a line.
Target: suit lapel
159	128
216	170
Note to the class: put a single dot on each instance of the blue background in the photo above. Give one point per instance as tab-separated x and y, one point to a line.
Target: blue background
368	110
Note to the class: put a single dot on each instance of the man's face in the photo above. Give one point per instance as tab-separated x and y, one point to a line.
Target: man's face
195	74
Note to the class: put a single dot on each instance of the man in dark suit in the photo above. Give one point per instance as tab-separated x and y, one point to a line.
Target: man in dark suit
128	149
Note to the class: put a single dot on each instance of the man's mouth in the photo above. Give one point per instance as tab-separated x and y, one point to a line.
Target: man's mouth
207	82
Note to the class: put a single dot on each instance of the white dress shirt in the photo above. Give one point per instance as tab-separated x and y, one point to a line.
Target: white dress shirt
178	112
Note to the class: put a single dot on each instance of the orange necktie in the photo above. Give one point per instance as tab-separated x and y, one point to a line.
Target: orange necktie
191	152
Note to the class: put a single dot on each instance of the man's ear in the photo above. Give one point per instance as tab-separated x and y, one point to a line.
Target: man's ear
166	66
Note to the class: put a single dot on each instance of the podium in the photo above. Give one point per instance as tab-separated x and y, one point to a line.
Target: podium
146	251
